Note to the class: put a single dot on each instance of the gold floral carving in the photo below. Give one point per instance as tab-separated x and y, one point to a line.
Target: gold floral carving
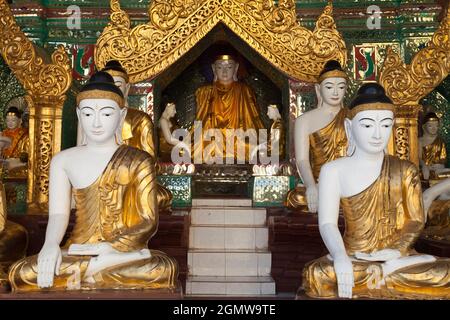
46	85
407	84
176	26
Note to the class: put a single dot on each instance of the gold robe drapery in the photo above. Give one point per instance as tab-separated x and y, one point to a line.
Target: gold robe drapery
138	132
19	143
328	143
434	153
388	214
118	208
226	107
13	240
438	224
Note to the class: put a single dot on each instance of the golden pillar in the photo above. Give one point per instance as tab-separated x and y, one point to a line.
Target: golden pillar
407	84
46	85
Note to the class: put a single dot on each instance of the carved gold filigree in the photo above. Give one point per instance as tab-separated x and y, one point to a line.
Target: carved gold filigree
46	85
407	84
176	26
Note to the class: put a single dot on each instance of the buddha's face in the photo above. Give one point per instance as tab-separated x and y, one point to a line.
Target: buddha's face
370	130
122	85
272	113
431	127
225	70
100	119
332	91
12	121
171	111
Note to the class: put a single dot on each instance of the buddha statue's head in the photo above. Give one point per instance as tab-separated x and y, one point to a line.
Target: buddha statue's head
332	84
273	113
369	122
13	118
100	110
225	68
170	111
431	124
120	76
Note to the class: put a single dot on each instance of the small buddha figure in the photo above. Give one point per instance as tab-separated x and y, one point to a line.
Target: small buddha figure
432	152
166	140
226	104
320	134
16	154
137	129
13	241
381	199
114	187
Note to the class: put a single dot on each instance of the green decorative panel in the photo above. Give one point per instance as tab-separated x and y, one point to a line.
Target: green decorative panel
16	195
181	188
270	191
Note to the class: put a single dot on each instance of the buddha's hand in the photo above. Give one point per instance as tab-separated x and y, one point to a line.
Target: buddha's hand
380	255
344	276
312	197
49	262
426	172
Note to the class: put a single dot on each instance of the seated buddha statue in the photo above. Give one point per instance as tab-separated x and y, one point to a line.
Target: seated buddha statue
319	135
381	199
432	152
137	129
13	241
225	104
167	142
16	154
114	187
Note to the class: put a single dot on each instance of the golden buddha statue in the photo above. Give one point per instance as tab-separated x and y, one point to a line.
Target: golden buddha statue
226	104
381	199
114	187
138	128
432	151
16	154
320	135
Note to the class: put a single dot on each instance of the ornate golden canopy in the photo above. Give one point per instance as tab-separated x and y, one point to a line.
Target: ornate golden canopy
407	84
176	26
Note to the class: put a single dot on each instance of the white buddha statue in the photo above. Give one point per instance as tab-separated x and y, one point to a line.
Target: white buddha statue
319	134
381	199
114	187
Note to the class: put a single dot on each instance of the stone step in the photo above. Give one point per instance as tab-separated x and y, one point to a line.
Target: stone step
221	202
229	263
230	237
228	216
231	286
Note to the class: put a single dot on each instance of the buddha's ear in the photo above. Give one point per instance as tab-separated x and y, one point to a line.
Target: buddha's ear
127	90
118	133
213	67
236	68
348	132
318	95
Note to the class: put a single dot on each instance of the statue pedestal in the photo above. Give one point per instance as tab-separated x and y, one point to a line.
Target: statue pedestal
156	294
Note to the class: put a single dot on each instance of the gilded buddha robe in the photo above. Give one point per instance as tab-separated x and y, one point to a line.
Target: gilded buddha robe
387	214
434	153
138	132
325	145
225	107
19	143
118	208
13	240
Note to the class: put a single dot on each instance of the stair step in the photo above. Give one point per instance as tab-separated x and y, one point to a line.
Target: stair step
228	216
205	285
232	237
230	263
216	202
